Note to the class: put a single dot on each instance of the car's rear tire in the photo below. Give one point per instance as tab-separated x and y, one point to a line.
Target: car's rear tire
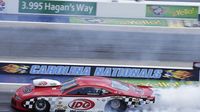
41	106
118	105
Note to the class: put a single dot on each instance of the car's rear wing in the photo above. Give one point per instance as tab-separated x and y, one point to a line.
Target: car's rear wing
45	83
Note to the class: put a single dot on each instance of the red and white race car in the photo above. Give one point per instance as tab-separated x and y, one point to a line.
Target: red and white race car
82	94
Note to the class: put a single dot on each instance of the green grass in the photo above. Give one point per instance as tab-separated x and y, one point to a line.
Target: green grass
158	83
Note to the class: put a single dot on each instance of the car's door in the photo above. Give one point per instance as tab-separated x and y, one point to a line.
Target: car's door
91	99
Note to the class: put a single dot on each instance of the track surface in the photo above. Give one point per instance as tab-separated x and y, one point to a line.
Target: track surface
88	44
5	98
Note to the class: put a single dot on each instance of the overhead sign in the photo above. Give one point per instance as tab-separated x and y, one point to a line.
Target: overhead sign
170	11
106	71
57	7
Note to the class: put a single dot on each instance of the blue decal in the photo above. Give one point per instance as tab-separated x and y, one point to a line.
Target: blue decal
108	71
79	70
158	73
60	70
115	72
128	72
99	71
144	73
34	69
135	73
86	71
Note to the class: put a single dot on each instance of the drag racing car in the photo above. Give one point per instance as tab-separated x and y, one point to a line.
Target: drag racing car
81	94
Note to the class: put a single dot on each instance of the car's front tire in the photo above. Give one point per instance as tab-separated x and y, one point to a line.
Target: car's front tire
118	105
41	106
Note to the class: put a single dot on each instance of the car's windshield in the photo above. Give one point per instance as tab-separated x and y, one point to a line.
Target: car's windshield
120	85
68	85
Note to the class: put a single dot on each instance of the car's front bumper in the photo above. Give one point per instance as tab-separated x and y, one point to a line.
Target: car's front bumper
17	105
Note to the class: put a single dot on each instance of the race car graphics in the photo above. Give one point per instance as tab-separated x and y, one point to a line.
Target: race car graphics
86	104
81	104
81	94
132	102
29	103
56	103
63	103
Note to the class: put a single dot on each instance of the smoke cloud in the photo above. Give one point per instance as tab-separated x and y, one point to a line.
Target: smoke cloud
183	99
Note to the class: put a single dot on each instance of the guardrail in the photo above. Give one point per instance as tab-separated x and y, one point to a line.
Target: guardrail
122	9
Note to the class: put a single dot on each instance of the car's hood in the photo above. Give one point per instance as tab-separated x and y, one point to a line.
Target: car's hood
31	91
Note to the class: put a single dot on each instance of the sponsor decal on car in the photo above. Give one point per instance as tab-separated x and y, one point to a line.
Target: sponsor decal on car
81	104
42	83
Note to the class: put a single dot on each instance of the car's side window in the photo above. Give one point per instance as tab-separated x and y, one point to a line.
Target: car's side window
89	91
77	92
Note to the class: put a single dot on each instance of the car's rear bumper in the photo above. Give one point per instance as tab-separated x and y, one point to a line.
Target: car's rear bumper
145	101
151	99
